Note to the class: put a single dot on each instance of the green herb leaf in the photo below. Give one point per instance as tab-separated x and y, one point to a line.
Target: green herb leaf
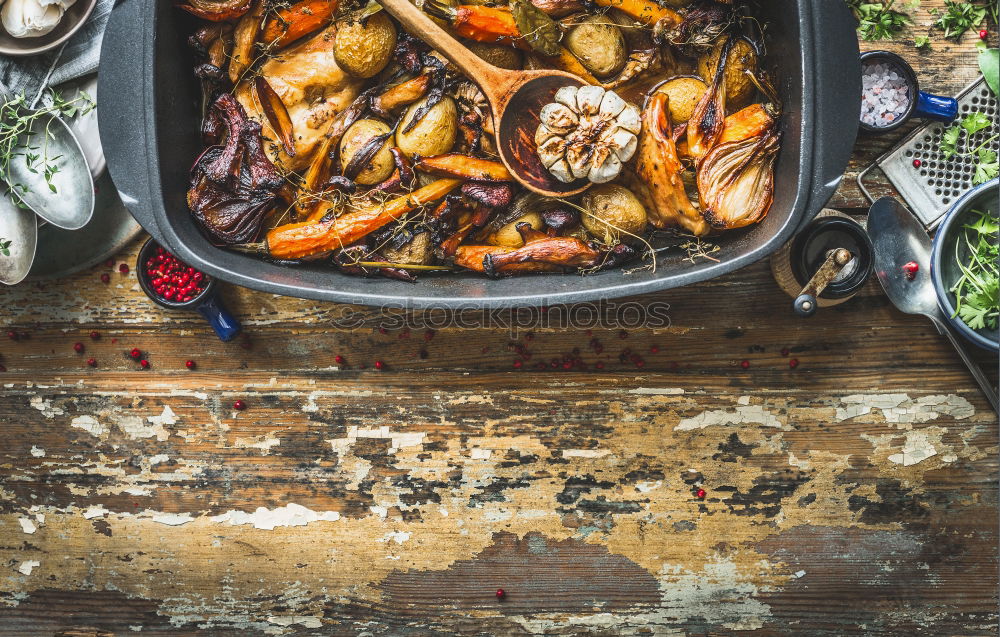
921	41
949	141
959	16
977	291
878	20
987	166
975	122
989	65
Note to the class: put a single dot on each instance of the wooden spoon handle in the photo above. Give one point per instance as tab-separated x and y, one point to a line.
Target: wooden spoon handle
491	80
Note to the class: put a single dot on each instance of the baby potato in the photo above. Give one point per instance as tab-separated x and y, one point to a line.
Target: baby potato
364	47
742	57
357	137
599	45
508	236
684	94
613	213
434	134
499	55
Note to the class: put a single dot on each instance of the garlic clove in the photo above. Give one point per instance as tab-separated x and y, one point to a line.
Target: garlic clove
605	171
542	134
588	99
579	158
552	151
559	118
560	170
612	105
567	97
621	142
630	119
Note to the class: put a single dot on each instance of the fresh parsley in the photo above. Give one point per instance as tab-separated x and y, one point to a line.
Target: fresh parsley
5	247
984	160
959	16
977	292
921	41
878	20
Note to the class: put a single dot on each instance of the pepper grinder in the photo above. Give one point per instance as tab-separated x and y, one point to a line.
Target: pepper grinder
825	264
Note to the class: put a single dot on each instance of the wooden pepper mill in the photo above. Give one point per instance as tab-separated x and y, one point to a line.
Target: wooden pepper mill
825	264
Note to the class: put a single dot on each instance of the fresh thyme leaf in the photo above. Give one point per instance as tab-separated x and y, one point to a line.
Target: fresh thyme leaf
878	20
959	16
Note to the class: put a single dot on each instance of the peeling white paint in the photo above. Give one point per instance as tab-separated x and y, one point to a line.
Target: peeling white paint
900	409
90	425
657	391
399	439
646	487
306	621
37	452
268	519
749	414
254	443
27	525
167	417
96	511
27	566
396	536
45	407
172	519
480	454
136	429
916	448
585	453
158	458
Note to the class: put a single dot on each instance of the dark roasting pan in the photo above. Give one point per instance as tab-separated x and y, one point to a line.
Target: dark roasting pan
149	120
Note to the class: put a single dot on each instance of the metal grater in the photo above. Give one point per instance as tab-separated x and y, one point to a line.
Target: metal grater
931	189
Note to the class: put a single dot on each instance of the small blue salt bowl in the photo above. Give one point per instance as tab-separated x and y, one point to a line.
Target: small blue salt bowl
920	104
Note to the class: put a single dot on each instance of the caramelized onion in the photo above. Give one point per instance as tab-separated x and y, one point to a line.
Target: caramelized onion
216	10
276	114
736	181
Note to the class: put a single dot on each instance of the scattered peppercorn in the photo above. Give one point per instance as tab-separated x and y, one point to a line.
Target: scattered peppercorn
190	364
517	364
983	34
338	359
135	353
95	335
379	365
123	268
105	278
793	363
144	364
654	349
701	494
917	163
78	348
501	594
92	362
745	364
239	405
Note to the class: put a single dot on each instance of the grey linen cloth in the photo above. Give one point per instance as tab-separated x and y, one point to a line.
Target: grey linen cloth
77	57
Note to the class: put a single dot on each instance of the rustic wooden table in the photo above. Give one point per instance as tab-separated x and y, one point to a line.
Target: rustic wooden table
855	493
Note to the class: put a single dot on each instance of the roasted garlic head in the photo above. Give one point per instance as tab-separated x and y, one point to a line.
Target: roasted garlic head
587	132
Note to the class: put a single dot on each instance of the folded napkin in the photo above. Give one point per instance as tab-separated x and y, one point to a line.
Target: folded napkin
77	57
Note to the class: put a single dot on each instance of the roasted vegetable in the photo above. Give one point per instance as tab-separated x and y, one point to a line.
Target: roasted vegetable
507	235
216	10
709	113
645	12
736	181
464	167
402	94
364	47
233	186
301	240
364	152
612	214
477	22
499	55
684	92
276	114
472	257
244	37
659	170
599	45
428	128
540	248
741	63
302	18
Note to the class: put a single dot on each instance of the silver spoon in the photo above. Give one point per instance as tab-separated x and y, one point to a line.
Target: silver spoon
898	239
70	205
20	227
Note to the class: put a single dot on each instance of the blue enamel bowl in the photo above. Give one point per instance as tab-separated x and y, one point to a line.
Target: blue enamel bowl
944	267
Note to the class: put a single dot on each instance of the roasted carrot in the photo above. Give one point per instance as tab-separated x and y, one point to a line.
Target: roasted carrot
486	24
402	94
645	11
473	258
464	167
300	19
300	240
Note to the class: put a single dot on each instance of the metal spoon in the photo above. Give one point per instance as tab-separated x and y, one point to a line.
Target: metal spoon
71	204
20	228
898	239
516	99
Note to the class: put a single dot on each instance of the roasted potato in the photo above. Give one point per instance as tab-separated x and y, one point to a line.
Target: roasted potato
499	55
364	47
684	93
742	57
417	251
433	134
508	236
599	45
356	138
613	213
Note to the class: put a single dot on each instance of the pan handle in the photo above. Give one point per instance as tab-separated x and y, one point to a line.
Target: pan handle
836	103
122	113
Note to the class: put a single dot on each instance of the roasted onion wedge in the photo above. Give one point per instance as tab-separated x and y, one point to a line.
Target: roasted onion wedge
244	37
216	10
709	115
736	181
276	114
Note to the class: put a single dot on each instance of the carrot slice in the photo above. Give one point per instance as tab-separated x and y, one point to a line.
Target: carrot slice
298	20
464	167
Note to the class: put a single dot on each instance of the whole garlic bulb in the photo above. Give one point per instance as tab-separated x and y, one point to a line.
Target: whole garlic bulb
32	18
587	132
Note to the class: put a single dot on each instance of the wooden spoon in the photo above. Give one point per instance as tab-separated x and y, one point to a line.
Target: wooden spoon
516	98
